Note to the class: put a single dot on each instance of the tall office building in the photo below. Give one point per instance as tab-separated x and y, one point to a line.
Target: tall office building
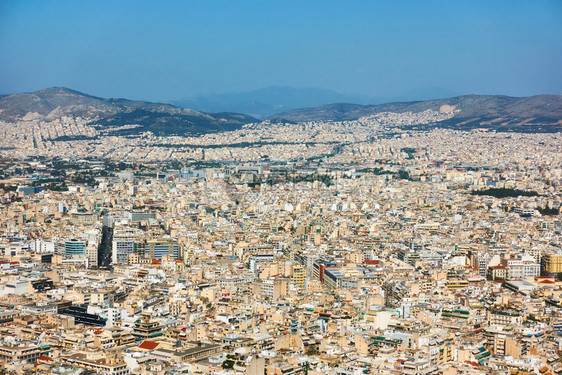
74	247
299	275
157	249
121	249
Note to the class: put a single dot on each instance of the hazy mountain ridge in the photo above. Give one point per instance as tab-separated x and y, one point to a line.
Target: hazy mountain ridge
543	112
268	101
159	118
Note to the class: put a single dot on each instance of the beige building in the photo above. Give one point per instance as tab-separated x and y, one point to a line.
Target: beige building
551	264
272	288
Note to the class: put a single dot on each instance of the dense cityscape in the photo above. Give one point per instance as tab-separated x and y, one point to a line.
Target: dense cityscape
338	248
280	187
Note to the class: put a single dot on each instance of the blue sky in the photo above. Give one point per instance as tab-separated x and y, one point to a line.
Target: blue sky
113	48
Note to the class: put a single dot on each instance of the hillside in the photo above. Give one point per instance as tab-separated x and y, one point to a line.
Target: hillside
542	113
161	119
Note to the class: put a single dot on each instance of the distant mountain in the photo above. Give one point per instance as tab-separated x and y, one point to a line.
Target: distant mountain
268	101
161	119
418	94
542	113
503	113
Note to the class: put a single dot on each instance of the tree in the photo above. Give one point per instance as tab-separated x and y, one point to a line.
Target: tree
311	350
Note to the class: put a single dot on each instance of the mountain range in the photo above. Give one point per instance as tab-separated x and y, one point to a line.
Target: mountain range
161	119
542	113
